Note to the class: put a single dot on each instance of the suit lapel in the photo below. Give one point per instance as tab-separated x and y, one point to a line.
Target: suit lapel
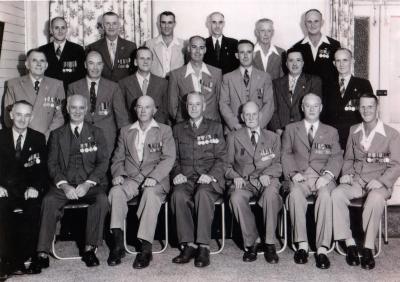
187	81
239	86
319	135
285	87
348	92
151	87
28	88
299	88
272	61
130	140
301	133
262	140
257	61
254	84
150	138
244	138
104	48
65	143
119	50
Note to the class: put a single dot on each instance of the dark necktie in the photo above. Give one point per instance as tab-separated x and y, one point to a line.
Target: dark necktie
92	97
18	147
36	87
246	77
310	135
194	126
253	138
217	50
76	132
58	52
342	87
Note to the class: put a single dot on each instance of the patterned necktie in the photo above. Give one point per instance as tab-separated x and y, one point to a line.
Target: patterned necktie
18	147
310	135
342	87
253	138
36	87
246	77
194	125
217	50
112	54
144	86
92	97
58	52
76	132
292	83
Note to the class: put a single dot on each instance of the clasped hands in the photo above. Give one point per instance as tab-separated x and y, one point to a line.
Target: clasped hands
239	182
148	182
74	193
322	181
203	179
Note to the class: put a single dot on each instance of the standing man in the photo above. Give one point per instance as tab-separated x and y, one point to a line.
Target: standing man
198	179
22	182
195	76
168	50
64	57
143	159
371	167
267	57
342	98
77	162
44	93
118	53
220	49
254	169
107	106
244	84
311	160
143	83
289	91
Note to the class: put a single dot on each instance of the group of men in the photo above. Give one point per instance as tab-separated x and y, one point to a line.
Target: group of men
114	132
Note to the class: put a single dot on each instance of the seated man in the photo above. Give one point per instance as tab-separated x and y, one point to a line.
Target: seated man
311	160
77	162
254	167
198	179
371	167
144	156
22	179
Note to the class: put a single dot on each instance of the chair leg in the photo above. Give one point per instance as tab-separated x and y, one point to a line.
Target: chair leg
223	230
283	228
339	249
386	240
58	256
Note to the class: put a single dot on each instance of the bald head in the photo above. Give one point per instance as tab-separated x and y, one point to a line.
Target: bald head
145	109
251	115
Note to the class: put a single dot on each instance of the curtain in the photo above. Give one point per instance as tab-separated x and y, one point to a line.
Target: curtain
84	18
343	22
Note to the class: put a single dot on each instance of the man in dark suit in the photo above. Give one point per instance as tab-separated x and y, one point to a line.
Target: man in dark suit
318	50
107	106
267	57
220	49
289	91
64	57
195	76
342	97
22	182
118	53
198	178
244	84
142	83
311	161
254	169
77	162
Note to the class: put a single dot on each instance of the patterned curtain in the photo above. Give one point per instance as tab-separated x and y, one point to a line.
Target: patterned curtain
343	22
84	18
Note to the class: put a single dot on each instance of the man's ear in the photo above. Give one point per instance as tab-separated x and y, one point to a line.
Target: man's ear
155	111
237	55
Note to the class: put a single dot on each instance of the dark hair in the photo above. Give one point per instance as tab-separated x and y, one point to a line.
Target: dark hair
22	102
37	51
244	41
167	13
57	18
294	50
370	95
313	10
94	51
196	36
143	48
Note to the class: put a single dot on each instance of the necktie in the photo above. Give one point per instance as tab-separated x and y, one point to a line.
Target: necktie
217	50
144	86
292	82
92	97
112	54
310	135
253	138
342	87
58	52
76	132
36	87
194	126
246	77
18	147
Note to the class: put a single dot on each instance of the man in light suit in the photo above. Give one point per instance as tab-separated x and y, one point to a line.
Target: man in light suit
198	178
44	93
107	106
143	82
267	57
254	169
196	76
342	97
168	50
311	160
22	182
371	168
244	84
290	89
220	49
117	52
144	156
77	163
65	58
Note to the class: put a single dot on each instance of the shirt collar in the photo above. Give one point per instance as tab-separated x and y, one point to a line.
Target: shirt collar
308	125
74	125
136	125
159	40
249	69
33	79
16	134
323	39
379	128
214	39
109	41
198	122
258	130
141	78
190	70
62	44
346	77
89	80
272	49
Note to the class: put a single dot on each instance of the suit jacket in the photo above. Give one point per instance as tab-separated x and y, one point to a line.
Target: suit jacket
357	160
179	86
111	113
157	89
158	156
228	61
274	65
194	157
250	163
177	55
287	111
47	105
16	175
233	96
334	111
95	163
70	67
297	155
124	57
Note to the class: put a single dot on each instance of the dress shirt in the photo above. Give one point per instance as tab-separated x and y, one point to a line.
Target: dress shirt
62	45
314	50
197	80
16	135
257	135
346	80
197	122
315	126
89	84
367	140
249	70
265	57
141	78
110	51
166	53
141	137
291	77
219	39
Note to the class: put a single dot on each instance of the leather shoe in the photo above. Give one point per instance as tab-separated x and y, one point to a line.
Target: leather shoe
18	269
352	257
38	262
367	259
142	260
250	254
301	256
202	258
270	254
322	261
186	255
4	271
115	256
90	259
